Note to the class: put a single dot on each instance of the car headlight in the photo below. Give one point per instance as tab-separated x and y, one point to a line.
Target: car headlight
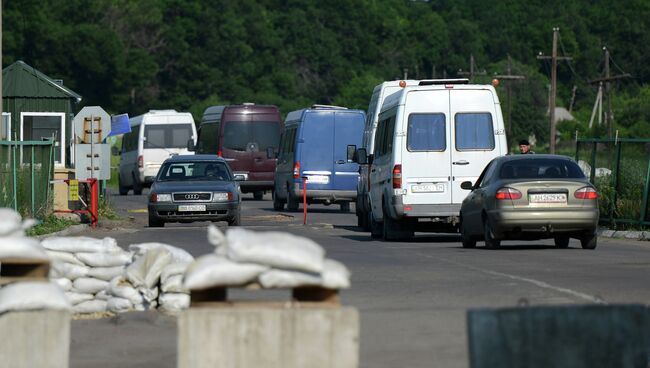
222	197
163	198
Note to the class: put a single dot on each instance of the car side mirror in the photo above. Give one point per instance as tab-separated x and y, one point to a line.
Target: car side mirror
190	145
361	156
467	185
352	149
270	152
240	177
115	151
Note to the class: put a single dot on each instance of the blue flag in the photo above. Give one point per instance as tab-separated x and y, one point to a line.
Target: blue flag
120	124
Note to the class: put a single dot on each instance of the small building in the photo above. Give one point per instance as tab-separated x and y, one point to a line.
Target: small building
37	107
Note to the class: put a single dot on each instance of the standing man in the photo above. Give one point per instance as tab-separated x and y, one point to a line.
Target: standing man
524	147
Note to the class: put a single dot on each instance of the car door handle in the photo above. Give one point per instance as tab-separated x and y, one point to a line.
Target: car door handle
461	162
340	162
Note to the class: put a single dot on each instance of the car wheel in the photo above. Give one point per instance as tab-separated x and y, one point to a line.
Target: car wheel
561	241
123	190
345	207
292	202
258	195
589	241
137	186
467	240
376	228
278	205
394	230
236	219
155	222
488	235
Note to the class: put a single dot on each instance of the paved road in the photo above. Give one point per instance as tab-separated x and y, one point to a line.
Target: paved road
412	297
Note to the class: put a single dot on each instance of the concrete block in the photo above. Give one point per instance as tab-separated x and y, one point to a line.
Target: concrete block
633	235
607	233
270	337
35	339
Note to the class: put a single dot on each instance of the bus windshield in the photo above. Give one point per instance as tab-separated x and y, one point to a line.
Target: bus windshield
248	136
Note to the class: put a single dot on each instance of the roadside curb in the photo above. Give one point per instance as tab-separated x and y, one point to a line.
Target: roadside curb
632	235
74	229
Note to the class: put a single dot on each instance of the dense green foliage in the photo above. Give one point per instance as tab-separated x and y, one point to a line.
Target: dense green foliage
130	56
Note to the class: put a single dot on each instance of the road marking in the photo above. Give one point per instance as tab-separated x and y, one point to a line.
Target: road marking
140	210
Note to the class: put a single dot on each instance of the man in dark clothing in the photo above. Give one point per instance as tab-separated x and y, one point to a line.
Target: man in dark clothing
524	147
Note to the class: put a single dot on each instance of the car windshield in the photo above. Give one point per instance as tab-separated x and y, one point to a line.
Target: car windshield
192	171
540	168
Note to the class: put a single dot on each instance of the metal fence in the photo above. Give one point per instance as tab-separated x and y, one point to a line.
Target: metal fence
620	170
26	169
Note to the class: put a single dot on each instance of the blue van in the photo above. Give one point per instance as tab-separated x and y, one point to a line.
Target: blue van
318	143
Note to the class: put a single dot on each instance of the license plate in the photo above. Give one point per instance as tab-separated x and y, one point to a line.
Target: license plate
191	208
318	179
428	188
548	198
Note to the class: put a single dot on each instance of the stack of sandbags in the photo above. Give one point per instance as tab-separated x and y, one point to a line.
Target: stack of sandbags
174	296
83	267
272	259
12	224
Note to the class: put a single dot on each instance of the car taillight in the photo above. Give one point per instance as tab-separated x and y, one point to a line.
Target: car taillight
397	176
219	153
153	198
586	193
140	161
296	170
508	193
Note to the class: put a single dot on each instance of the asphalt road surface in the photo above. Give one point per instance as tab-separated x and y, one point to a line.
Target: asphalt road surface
412	296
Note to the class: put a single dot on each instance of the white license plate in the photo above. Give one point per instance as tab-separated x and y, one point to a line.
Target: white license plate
547	198
318	179
191	208
428	188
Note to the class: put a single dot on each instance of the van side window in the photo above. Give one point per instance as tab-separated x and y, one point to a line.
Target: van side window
384	137
381	128
474	131
130	140
426	132
209	138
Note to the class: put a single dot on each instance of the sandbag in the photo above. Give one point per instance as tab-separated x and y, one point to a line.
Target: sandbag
112	259
28	295
67	270
335	275
12	225
80	244
103	295
118	305
120	287
106	273
64	284
149	295
178	254
89	285
173	284
146	269
23	248
76	298
211	270
215	236
173	269
91	306
275	249
174	302
275	278
65	257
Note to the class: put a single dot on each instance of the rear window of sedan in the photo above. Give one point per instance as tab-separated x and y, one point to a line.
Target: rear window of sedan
540	168
188	171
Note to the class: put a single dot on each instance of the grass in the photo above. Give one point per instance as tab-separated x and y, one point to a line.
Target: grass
50	224
106	209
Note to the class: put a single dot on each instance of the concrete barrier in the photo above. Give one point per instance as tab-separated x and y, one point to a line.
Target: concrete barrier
35	339
270	336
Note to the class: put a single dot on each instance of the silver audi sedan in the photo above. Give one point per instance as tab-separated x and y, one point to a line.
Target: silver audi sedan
528	197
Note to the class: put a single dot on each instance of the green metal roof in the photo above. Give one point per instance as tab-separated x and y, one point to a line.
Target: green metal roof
21	80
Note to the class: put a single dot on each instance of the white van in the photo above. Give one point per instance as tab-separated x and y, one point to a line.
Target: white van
429	139
154	137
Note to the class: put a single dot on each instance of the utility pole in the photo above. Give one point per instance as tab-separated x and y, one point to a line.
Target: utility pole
604	93
472	71
509	77
551	108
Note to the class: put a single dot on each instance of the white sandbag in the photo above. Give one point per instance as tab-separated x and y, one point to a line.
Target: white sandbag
66	257
64	284
80	244
27	295
216	237
89	285
76	298
106	273
103	295
146	269
275	278
21	247
211	270
118	305
173	269
174	302
174	284
67	270
178	254
119	258
275	249
91	306
12	225
149	295
335	275
139	308
120	287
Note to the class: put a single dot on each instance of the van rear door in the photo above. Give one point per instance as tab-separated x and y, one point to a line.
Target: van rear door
473	128
316	154
348	129
164	136
426	152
